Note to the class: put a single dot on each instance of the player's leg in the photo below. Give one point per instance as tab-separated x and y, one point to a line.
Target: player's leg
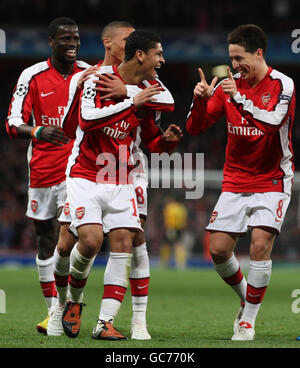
61	268
86	216
267	214
46	232
222	247
42	208
115	283
81	260
228	221
259	274
139	283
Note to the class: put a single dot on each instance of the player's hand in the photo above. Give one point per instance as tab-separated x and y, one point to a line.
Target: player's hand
54	135
173	133
110	86
229	85
203	89
85	76
146	95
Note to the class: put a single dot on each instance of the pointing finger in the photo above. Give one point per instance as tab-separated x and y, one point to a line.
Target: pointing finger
213	83
229	73
202	76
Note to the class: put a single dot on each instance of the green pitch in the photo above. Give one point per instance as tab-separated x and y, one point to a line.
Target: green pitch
187	309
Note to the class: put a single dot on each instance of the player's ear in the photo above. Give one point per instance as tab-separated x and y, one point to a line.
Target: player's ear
140	55
259	53
106	43
50	41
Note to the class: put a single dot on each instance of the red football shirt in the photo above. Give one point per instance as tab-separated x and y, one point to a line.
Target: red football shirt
259	155
42	92
104	127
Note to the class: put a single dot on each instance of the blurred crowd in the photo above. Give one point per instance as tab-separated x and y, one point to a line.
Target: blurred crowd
205	15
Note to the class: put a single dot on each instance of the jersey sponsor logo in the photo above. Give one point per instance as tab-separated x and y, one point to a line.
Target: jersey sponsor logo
34	205
213	216
50	121
80	211
243	130
265	98
46	94
21	90
67	209
115	130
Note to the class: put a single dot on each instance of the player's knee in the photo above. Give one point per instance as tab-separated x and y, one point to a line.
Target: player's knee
65	242
218	251
91	242
121	240
139	238
259	250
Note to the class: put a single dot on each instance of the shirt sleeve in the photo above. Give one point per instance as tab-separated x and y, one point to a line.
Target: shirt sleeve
268	120
21	104
94	115
163	101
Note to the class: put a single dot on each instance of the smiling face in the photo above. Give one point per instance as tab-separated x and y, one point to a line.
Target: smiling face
246	63
66	43
152	60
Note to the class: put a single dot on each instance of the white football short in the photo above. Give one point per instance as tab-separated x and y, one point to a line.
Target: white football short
65	216
111	205
43	203
141	199
236	212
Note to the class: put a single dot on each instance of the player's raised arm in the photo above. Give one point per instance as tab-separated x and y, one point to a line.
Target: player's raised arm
207	105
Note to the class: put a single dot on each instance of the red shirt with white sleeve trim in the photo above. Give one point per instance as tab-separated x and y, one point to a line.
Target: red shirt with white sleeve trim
259	154
42	93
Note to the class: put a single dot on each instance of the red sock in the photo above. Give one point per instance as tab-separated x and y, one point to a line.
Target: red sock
114	292
139	287
49	289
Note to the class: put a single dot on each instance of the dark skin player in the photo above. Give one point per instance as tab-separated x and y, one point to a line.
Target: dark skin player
65	47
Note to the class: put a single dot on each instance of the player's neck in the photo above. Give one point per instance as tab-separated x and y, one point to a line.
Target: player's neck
64	69
129	73
259	75
109	60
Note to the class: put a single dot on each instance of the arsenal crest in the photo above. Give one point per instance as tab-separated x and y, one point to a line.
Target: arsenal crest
67	209
80	211
265	98
213	216
34	205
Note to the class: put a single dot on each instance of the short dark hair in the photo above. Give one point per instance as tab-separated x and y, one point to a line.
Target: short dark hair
250	36
57	22
140	40
112	26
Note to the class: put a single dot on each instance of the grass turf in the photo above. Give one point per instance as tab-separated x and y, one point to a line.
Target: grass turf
187	309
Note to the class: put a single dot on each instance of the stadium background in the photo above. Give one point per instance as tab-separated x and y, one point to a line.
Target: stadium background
193	34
